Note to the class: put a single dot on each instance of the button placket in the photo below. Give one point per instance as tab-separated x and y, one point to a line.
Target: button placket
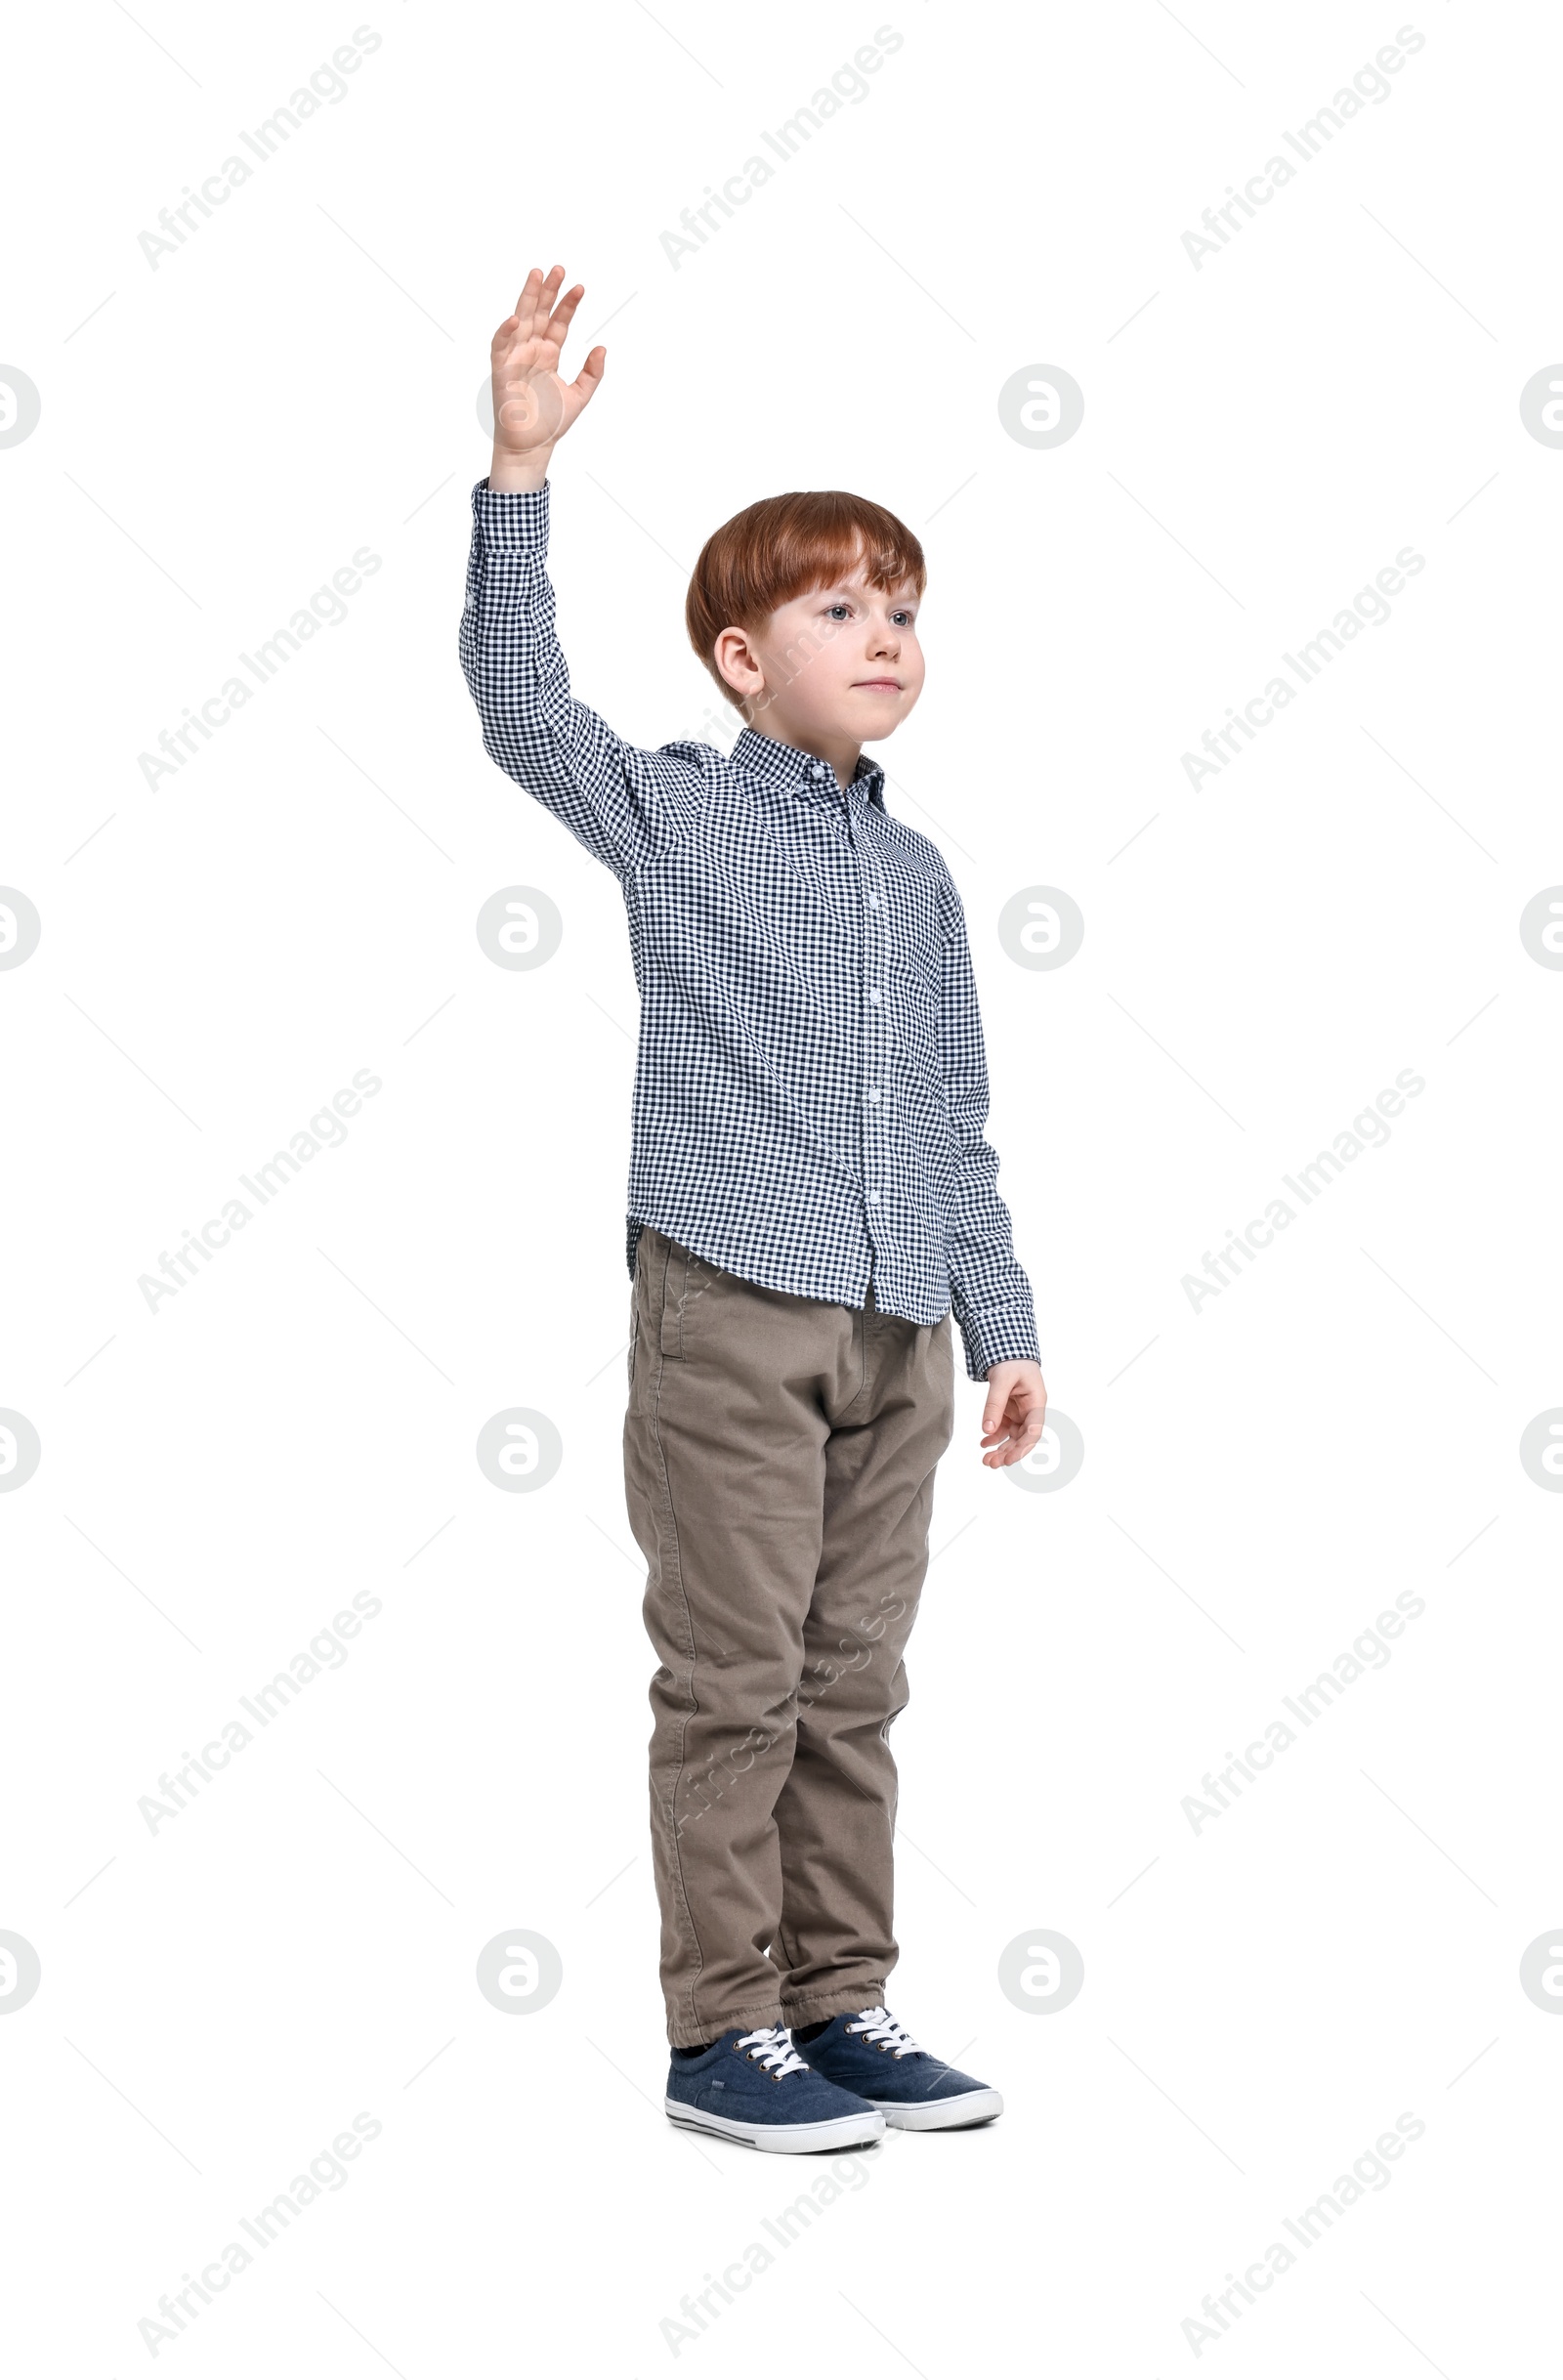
875	1036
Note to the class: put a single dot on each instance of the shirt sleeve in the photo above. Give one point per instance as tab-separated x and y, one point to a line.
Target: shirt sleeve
991	1296
625	804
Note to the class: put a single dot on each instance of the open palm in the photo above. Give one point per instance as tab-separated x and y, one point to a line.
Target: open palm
533	406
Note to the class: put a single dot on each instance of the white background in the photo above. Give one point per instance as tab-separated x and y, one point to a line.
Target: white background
222	951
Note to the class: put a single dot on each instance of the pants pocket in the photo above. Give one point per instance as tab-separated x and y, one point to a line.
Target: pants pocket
688	1284
675	1265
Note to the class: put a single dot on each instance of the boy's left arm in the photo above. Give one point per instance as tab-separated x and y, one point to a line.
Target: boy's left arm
991	1296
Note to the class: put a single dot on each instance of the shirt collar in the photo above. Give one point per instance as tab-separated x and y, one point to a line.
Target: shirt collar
783	764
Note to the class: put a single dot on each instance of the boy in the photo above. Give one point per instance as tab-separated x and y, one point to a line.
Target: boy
810	1198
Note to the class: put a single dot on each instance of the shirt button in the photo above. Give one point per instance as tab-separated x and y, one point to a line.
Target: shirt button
874	997
873	1198
873	900
873	1094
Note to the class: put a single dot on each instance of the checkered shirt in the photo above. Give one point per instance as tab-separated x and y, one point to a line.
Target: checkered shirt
811	1090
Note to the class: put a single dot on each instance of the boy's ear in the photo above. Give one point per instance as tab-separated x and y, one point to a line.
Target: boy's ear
736	665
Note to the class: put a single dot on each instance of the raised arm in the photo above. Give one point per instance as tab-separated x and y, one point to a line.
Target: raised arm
625	804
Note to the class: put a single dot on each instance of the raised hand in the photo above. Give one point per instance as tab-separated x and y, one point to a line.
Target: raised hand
533	407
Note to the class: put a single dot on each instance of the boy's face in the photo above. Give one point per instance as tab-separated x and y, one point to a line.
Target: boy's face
836	668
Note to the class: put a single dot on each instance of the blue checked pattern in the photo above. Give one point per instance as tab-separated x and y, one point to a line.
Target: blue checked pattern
811	1091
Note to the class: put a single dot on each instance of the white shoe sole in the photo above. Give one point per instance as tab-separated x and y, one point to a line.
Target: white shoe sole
786	2140
942	2115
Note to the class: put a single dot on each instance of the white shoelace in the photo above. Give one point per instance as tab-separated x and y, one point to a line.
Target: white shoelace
878	2024
772	2048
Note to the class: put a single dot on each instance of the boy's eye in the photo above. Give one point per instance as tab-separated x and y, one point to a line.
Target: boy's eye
838	611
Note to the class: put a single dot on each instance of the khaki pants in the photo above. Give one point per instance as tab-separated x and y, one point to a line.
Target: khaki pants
779	1463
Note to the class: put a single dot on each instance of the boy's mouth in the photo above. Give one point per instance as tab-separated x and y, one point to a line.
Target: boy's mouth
877	685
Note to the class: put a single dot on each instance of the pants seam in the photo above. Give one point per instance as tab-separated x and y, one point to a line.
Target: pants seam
675	1849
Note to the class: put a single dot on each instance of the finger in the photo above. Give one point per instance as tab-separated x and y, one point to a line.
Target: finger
538	298
589	379
1000	1414
563	313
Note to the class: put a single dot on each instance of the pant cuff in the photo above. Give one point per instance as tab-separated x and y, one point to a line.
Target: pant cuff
842	2000
684	2033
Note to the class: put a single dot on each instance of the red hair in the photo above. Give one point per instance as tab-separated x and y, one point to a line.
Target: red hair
783	546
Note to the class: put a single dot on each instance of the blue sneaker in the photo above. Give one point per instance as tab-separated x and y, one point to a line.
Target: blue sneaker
755	2088
877	2058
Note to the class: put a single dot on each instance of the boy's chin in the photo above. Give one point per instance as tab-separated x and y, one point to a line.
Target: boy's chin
871	722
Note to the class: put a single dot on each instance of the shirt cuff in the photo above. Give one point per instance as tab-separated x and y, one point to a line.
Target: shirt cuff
511	523
998	1338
